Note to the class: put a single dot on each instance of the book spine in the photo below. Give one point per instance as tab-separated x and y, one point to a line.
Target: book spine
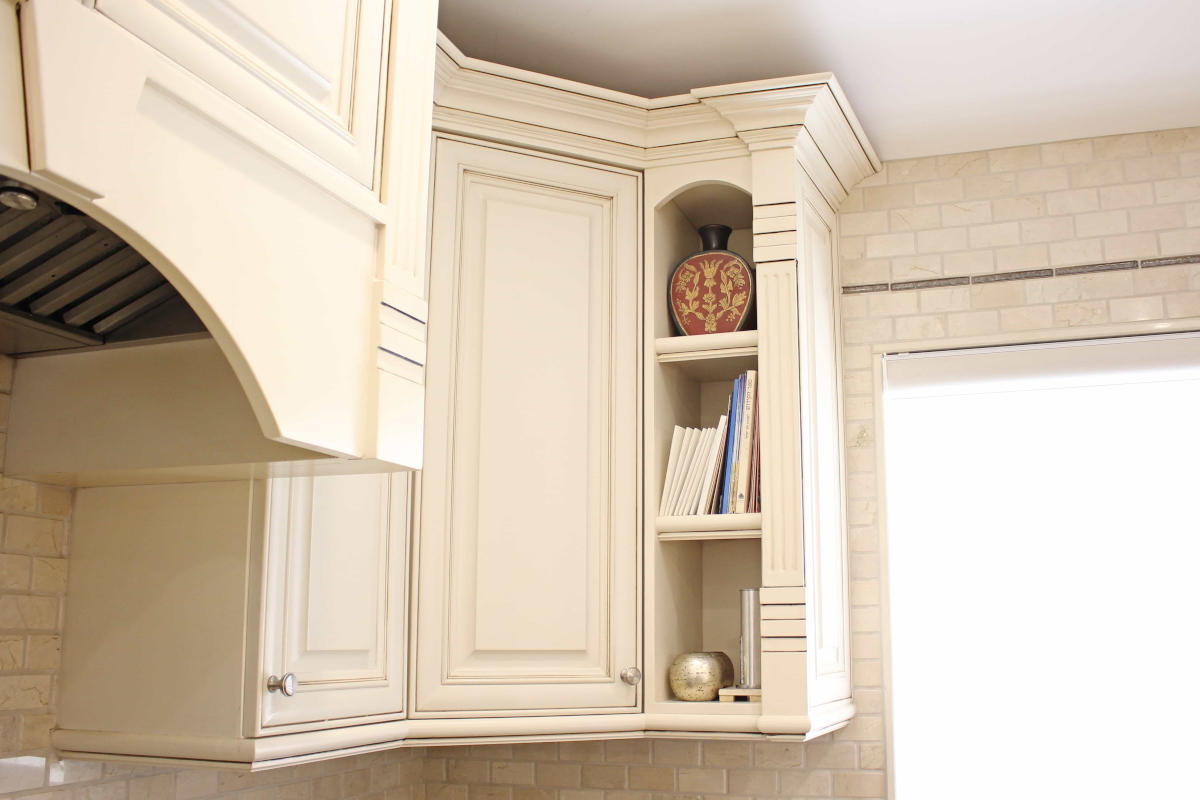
672	465
731	447
756	466
685	454
746	441
686	503
715	503
712	469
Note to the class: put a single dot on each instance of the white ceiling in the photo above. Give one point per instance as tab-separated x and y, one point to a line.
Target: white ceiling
924	76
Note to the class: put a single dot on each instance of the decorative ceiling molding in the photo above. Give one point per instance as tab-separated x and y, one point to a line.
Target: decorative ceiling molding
516	107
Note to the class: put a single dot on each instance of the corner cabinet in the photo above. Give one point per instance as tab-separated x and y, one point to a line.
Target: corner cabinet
527	557
187	599
770	159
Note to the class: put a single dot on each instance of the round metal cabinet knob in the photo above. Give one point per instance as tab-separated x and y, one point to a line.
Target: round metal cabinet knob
286	684
631	675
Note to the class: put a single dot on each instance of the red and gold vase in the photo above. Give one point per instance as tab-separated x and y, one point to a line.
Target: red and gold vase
713	290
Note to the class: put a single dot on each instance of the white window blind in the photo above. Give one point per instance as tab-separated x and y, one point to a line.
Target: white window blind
1043	556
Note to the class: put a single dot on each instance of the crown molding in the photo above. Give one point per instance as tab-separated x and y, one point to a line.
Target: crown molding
575	145
537	137
514	106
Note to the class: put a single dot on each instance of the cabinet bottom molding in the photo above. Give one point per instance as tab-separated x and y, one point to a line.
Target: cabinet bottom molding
289	749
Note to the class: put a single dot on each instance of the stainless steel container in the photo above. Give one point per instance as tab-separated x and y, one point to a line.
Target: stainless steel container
749	644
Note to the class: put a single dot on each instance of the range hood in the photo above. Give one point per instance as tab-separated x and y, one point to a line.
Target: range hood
151	208
66	281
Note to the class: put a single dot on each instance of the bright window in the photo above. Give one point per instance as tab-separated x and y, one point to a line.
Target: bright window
1043	551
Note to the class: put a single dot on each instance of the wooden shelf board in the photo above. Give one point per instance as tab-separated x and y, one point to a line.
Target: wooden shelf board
705	343
709	523
713	356
707	536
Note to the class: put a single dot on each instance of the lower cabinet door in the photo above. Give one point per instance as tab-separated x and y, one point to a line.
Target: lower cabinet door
334	613
527	568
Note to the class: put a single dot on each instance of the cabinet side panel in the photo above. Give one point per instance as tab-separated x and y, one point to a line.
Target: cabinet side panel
829	661
156	608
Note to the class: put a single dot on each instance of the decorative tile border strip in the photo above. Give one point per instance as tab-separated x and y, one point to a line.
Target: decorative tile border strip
931	283
1115	265
997	277
864	288
1020	275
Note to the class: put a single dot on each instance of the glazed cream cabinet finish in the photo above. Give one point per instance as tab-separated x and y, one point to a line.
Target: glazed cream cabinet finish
313	69
184	598
527	573
334	612
270	159
774	159
538	578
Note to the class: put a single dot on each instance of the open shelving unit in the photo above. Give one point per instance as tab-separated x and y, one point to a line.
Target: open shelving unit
697	563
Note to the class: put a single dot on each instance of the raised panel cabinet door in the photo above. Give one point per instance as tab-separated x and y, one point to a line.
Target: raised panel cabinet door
528	565
311	68
335	597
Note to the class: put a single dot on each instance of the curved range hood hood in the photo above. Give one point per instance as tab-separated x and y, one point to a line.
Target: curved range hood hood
66	281
165	190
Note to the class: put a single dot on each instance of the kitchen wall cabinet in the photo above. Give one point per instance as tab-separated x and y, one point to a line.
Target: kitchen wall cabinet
271	162
528	566
771	159
186	598
548	596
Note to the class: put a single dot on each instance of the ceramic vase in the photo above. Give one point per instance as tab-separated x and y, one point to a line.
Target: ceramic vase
712	291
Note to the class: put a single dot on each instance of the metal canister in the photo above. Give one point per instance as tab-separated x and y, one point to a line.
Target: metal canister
749	643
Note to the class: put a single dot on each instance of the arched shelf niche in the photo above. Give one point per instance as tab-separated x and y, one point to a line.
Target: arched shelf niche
677	218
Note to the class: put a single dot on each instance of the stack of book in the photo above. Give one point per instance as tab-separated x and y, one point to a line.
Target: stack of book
715	470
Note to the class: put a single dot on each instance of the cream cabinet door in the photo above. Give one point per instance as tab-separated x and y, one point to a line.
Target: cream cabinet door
528	563
311	68
334	605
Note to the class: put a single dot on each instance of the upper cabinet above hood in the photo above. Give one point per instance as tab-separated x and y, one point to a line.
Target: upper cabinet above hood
271	167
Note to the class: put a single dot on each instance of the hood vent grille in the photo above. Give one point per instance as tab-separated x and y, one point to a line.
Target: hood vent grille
67	281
